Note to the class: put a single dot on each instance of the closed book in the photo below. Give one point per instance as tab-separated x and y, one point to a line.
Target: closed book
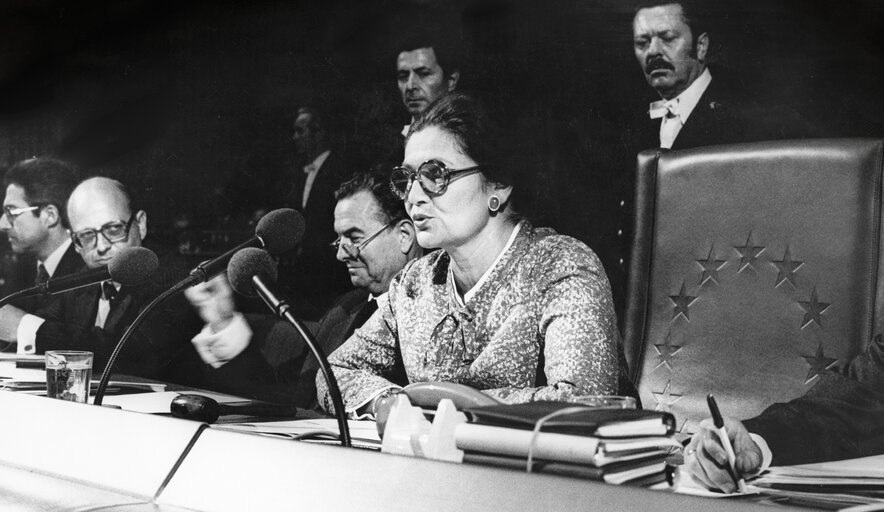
581	420
617	473
558	447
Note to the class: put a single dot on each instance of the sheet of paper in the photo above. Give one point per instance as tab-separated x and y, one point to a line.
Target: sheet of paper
24	374
862	468
364	434
159	403
687	485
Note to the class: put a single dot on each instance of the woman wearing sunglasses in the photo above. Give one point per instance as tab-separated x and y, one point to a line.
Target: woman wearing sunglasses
515	311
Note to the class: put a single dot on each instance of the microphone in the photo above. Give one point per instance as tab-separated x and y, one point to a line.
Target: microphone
207	410
278	231
252	272
131	267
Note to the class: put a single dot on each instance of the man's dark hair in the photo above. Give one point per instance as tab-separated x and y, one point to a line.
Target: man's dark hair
692	12
378	184
446	50
45	181
317	121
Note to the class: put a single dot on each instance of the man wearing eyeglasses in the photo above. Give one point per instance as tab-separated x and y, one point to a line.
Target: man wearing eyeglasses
375	241
103	222
35	222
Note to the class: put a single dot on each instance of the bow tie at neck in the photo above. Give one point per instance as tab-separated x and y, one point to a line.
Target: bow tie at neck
663	108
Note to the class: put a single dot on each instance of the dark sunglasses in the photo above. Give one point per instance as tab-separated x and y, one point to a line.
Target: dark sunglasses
433	175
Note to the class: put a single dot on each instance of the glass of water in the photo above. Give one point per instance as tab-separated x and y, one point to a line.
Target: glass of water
68	373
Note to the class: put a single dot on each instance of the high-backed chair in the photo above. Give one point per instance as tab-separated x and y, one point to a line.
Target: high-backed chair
754	268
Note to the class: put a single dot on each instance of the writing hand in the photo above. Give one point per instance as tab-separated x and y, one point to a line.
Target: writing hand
706	458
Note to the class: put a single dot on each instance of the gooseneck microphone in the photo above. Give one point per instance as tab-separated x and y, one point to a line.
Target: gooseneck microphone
279	231
131	267
207	410
252	271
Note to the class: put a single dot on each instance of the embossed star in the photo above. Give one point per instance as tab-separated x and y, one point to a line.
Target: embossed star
682	302
710	267
666	351
787	267
813	310
666	398
748	254
818	364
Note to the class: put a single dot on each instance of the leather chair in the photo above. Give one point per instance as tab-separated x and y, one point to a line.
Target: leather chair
754	268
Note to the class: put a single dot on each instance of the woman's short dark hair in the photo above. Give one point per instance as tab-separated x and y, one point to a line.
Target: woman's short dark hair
477	134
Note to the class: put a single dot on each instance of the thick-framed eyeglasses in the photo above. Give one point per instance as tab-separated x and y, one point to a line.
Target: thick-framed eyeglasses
113	232
433	175
12	212
353	250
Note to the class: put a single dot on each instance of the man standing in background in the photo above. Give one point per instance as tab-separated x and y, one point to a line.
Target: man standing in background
309	275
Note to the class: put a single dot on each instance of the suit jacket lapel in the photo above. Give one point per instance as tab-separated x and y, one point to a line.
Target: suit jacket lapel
703	126
70	263
121	305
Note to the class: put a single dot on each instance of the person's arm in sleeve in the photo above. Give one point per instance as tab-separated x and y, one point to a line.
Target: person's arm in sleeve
840	417
361	363
578	326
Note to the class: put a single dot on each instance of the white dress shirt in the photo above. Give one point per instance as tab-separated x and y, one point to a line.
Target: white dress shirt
26	332
311	170
675	112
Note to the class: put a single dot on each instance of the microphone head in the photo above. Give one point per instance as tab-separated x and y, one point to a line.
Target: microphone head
133	266
280	230
247	263
195	407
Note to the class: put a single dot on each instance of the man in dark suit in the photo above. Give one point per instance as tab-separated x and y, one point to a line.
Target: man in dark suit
103	221
841	417
260	357
35	222
693	107
310	275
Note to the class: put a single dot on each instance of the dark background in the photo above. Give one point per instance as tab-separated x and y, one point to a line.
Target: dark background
191	103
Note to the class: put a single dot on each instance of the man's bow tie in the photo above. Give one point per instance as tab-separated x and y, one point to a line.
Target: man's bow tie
108	291
663	108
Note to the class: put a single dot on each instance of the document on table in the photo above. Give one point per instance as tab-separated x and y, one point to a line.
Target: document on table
364	434
159	403
827	484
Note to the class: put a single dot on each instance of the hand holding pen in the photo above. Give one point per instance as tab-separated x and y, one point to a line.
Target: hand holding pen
707	456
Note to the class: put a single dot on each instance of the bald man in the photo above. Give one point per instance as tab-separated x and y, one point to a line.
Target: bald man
104	221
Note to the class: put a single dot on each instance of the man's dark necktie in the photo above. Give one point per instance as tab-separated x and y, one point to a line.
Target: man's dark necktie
42	274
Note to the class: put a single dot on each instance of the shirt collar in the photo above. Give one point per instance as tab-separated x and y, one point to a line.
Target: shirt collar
683	104
478	286
54	259
317	162
405	129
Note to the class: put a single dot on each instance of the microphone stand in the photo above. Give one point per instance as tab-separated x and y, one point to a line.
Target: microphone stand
281	308
105	377
13	296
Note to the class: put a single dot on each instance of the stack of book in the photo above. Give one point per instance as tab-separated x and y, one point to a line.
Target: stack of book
618	446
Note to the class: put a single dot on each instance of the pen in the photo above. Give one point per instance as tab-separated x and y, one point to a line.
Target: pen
725	441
